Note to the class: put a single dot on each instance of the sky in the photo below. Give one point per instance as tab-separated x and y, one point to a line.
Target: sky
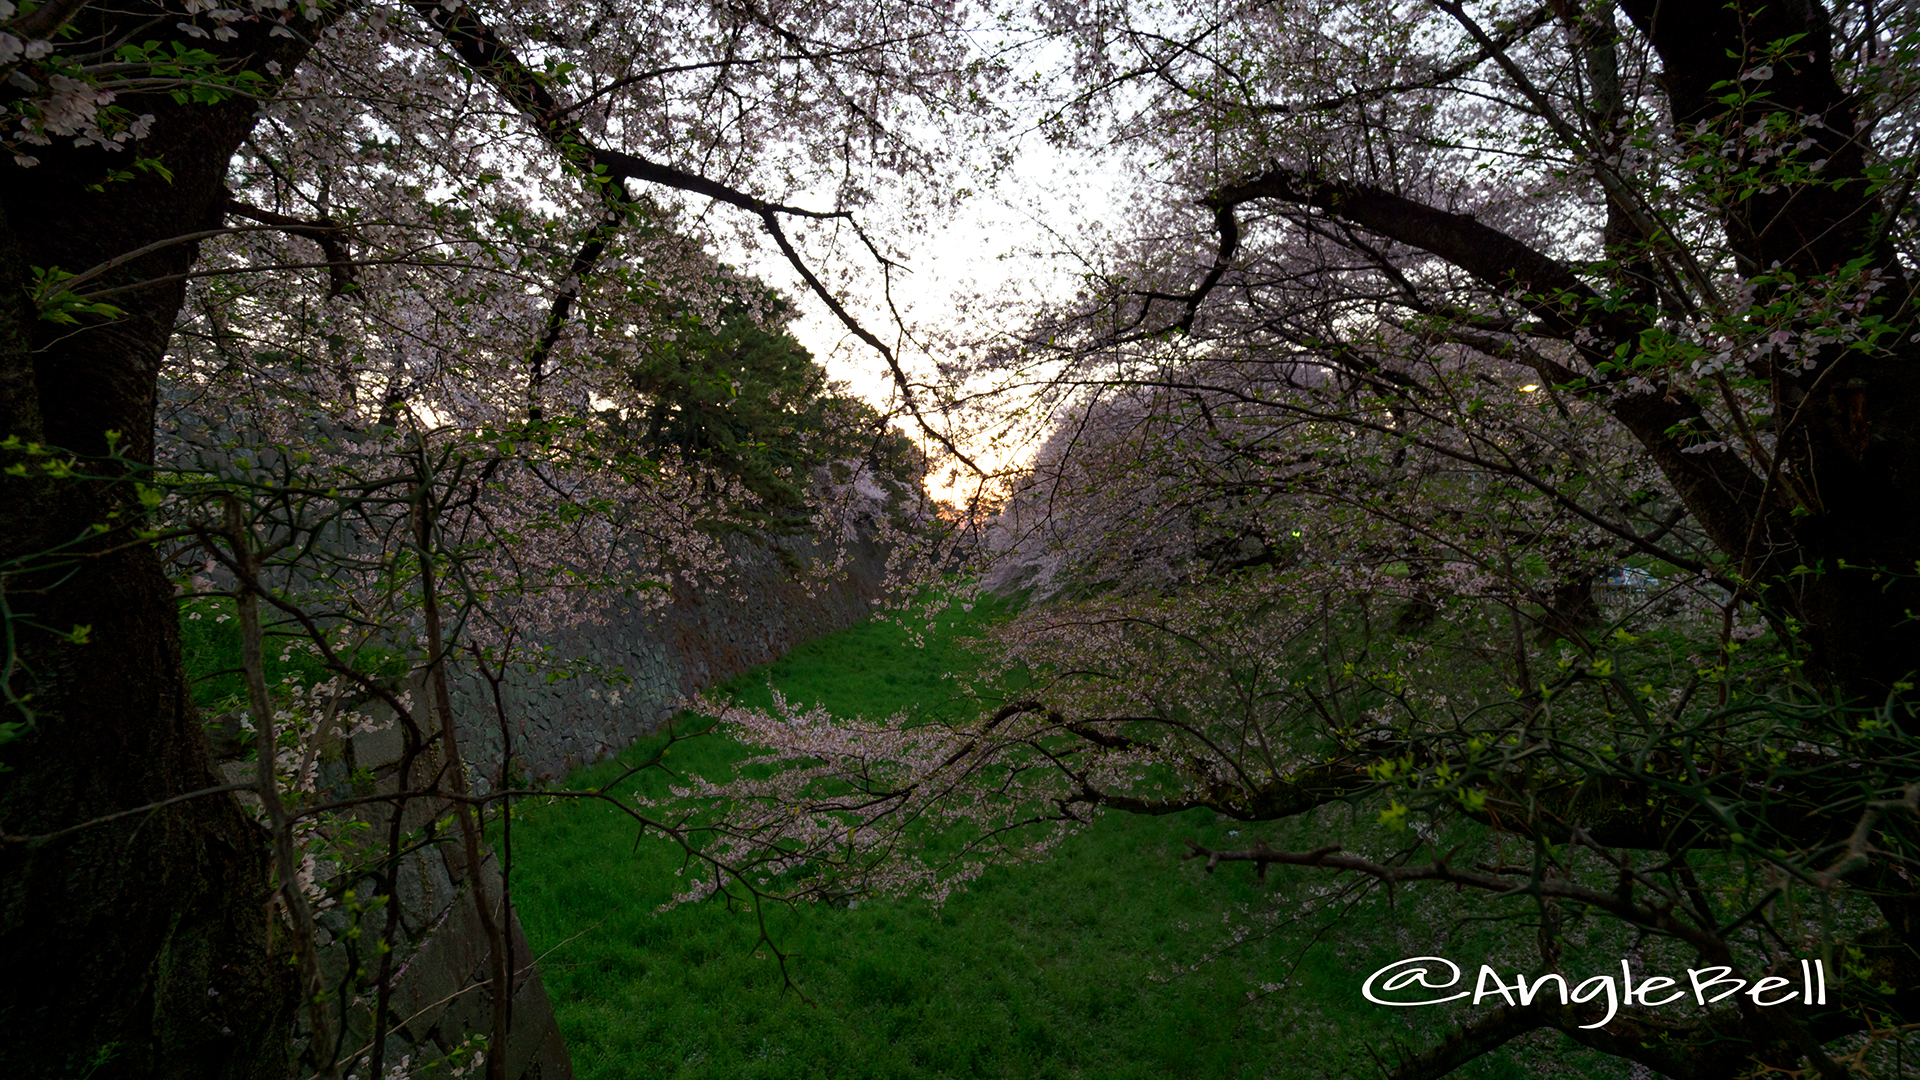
991	246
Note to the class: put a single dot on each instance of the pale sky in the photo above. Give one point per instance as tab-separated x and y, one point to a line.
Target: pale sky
985	248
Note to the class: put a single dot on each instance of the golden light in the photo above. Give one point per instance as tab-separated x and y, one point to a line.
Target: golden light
1529	388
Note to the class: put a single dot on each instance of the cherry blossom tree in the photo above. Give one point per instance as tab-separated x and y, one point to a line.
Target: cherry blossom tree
388	268
1600	187
1495	417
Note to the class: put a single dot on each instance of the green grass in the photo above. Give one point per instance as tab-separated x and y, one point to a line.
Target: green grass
210	646
1077	966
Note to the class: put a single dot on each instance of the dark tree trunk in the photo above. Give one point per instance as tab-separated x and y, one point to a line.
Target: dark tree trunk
146	942
1570	611
1855	416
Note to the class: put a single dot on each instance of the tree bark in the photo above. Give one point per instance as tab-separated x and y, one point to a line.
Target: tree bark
1857	440
144	945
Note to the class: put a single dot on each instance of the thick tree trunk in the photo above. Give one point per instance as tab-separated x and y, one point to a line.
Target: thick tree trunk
145	943
1850	425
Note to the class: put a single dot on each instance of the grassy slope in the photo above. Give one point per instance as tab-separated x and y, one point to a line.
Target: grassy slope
1052	969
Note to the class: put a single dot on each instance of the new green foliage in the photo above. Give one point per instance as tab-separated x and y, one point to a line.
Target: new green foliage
734	391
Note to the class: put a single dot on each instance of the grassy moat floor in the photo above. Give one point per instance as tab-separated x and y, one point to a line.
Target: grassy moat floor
1083	965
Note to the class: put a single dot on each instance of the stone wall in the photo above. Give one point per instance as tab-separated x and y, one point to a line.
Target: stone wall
440	1001
665	655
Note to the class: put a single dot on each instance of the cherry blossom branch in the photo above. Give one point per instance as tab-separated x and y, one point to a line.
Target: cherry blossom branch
1619	194
1858	853
1545	286
1332	856
1714	1045
123	259
425	515
1507	467
1467	1042
326	232
583	263
1722	491
407	258
1296	793
1510	34
730	62
247	555
37	839
477	45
